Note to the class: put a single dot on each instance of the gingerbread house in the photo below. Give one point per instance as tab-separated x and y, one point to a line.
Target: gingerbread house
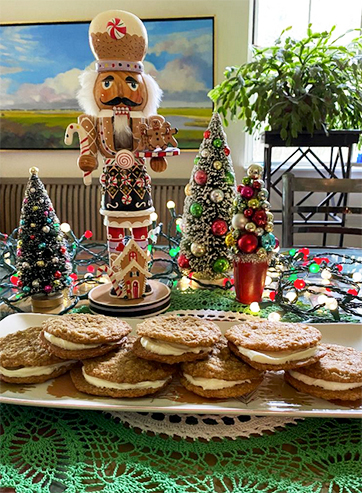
131	270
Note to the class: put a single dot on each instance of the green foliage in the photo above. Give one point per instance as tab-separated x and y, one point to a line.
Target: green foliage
295	86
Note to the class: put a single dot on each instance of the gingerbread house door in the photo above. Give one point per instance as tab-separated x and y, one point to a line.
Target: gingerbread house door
135	289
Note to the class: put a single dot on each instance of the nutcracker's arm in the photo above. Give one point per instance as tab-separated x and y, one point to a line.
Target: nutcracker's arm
86	130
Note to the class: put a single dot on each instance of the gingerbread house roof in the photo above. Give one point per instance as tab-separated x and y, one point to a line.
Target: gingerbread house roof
133	264
131	245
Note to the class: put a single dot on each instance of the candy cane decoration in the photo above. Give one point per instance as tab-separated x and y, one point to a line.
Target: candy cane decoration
104	269
84	143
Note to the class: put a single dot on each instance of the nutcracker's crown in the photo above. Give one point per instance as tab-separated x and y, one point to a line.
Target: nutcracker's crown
118	40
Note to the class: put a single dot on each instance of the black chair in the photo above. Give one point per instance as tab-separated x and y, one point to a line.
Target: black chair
334	216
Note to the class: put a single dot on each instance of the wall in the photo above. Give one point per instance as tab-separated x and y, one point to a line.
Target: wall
232	22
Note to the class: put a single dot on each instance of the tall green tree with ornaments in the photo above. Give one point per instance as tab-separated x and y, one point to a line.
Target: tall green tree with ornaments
42	260
207	208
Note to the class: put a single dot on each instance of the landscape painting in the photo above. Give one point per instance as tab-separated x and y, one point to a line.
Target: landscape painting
41	64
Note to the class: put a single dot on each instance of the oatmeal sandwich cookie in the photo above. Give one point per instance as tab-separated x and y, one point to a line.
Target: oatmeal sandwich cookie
338	375
173	339
274	345
121	373
24	360
221	375
81	336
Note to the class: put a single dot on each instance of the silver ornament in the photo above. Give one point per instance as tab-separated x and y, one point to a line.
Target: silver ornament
204	153
263	194
269	227
32	190
217	165
269	217
217	195
250	227
264	204
255	171
68	266
35	284
25	265
46	229
259	231
239	221
55	260
197	249
59	238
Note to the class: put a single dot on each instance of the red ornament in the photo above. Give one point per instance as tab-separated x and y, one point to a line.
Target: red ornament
88	234
183	262
277	243
200	177
20	284
339	267
247	243
57	274
73	276
257	184
247	192
5	236
353	292
239	188
206	134
63	249
260	219
47	289
227	151
219	227
272	295
248	212
299	284
32	237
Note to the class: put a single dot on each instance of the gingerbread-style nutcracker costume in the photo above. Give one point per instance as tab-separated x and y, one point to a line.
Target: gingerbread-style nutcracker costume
118	99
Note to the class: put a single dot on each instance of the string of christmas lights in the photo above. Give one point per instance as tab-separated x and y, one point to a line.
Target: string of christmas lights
314	287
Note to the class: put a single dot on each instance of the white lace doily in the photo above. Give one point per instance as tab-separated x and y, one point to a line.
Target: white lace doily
220	316
205	426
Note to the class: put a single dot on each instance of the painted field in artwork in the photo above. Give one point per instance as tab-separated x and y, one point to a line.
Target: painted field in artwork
39	86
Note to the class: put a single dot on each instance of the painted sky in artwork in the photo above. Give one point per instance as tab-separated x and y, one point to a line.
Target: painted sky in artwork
40	64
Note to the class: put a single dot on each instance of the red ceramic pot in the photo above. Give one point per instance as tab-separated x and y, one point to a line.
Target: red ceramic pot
249	280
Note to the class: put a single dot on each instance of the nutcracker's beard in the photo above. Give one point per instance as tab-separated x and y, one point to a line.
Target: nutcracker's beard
122	132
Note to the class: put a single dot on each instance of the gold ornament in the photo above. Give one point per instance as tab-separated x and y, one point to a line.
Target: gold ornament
230	240
40	263
269	217
34	170
255	171
253	203
269	227
217	165
250	227
259	231
261	252
188	189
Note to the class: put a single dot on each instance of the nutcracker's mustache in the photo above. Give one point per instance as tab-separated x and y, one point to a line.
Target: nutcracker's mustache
117	101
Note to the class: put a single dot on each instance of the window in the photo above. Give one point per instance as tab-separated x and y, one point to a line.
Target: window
272	16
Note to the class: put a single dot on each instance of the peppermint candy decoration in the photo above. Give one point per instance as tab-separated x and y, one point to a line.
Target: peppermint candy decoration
125	180
140	182
125	159
112	180
126	199
116	28
103	180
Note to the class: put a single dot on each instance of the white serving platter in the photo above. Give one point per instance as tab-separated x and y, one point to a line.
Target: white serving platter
273	397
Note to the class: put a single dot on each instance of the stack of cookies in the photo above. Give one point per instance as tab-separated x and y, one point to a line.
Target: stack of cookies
105	361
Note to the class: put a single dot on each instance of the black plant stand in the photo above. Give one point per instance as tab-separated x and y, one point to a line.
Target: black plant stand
336	141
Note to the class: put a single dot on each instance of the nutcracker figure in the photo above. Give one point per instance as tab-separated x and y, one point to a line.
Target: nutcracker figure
120	102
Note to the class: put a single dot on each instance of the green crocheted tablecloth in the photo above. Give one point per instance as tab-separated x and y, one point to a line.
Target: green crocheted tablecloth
76	451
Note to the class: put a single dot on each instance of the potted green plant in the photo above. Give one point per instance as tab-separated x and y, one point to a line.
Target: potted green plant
295	86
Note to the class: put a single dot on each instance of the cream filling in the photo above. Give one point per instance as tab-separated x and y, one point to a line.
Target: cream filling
167	348
324	384
71	346
33	371
277	357
99	382
213	383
